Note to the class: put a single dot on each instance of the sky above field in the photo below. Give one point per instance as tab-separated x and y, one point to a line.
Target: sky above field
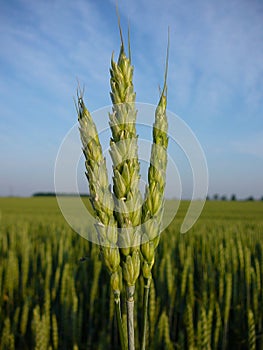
215	82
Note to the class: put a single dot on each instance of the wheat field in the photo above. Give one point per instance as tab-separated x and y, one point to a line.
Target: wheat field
207	289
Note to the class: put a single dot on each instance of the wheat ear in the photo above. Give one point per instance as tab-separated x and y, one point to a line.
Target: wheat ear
124	154
152	210
102	202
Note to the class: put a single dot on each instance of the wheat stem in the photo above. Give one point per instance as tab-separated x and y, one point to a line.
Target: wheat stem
130	314
147	285
117	304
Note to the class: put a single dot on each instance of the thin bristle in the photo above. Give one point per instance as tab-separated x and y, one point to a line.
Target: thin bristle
166	64
129	41
119	25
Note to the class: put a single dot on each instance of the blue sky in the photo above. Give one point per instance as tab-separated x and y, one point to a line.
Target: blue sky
215	81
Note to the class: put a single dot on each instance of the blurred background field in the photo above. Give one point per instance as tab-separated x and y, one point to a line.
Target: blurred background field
207	291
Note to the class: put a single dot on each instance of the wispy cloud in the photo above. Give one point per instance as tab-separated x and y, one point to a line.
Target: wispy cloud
214	46
215	68
60	43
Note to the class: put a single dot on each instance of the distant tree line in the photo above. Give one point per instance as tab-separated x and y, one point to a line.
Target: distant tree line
53	194
215	197
233	197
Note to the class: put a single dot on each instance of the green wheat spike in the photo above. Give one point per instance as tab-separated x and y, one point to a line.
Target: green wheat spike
228	296
258	276
205	341
190	327
7	339
101	196
184	277
217	326
55	335
24	318
152	310
247	267
164	335
25	262
126	168
191	296
251	331
169	276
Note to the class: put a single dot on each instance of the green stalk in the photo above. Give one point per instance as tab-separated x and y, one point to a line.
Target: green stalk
147	285
130	315
117	304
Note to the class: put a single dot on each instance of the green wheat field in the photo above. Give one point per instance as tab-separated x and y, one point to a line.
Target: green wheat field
207	291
